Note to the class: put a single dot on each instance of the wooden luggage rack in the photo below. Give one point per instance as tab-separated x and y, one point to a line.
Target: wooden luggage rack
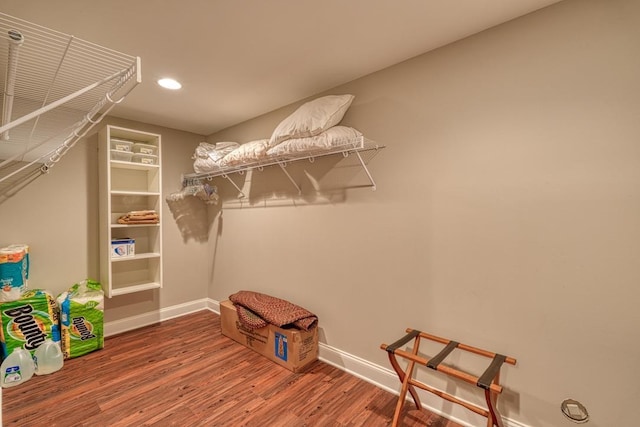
488	381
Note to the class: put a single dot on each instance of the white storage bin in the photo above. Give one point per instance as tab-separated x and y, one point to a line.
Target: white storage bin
145	149
123	156
121	145
145	159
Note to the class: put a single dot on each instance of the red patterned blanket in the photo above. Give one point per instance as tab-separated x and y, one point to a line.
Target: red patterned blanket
256	310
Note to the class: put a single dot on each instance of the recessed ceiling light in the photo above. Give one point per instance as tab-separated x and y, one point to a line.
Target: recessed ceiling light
169	84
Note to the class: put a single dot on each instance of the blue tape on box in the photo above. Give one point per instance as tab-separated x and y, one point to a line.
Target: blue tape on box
281	346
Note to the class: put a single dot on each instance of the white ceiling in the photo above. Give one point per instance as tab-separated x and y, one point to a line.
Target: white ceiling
238	59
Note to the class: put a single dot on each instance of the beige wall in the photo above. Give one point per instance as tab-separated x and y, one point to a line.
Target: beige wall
507	213
57	215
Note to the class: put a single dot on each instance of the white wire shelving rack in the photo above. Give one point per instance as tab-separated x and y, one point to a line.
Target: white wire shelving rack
55	88
362	149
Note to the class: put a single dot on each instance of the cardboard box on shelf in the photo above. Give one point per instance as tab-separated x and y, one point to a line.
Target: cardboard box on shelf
294	349
123	248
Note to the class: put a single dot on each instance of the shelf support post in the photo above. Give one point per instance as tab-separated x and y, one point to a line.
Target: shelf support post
289	176
241	195
366	170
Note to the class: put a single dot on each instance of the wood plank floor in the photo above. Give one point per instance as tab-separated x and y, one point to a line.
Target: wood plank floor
184	372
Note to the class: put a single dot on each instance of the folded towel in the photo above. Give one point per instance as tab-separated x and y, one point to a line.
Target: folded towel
139	217
138	221
256	310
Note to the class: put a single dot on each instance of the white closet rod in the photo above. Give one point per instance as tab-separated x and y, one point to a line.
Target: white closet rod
89	121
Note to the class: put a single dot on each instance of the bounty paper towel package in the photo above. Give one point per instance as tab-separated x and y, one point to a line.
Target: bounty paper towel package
14	271
29	321
82	318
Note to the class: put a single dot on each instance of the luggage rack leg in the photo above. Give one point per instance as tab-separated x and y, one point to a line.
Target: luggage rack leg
488	381
404	377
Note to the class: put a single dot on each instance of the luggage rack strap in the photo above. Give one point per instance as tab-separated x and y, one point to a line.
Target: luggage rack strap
438	358
402	341
491	372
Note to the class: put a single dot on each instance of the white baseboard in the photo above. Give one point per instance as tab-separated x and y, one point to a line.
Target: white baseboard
377	375
146	319
508	422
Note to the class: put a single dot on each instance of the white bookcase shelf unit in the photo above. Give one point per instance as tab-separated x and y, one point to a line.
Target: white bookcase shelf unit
130	180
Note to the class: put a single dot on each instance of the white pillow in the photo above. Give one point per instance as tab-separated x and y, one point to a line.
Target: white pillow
246	153
312	118
335	137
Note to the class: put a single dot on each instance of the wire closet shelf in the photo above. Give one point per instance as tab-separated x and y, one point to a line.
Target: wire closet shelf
55	88
361	148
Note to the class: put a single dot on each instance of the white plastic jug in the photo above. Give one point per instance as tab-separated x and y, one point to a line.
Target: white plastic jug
17	368
48	357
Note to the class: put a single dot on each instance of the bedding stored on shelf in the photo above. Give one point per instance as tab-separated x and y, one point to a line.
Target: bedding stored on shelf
318	117
208	156
312	118
253	151
310	132
335	137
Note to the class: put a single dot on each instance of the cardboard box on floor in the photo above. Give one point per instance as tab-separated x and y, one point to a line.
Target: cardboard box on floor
292	348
